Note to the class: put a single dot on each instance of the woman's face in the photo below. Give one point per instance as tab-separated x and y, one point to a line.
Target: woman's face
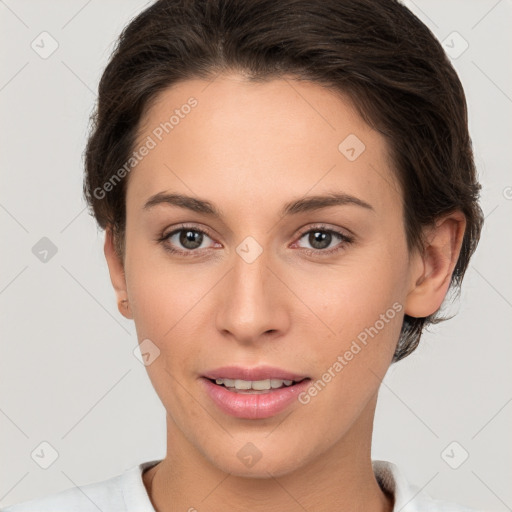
317	292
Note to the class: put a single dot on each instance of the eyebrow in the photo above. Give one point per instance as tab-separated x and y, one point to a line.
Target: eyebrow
304	204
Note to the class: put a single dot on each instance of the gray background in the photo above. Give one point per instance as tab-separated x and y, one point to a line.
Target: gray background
68	373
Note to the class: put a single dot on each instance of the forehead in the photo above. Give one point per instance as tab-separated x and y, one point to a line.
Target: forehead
233	140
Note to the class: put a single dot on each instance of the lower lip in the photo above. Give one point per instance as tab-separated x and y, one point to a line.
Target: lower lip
254	406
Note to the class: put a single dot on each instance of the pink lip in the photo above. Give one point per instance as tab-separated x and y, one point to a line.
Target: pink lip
259	373
253	406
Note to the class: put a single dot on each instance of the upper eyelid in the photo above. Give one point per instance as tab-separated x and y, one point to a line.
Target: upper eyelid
325	227
183	228
305	229
302	231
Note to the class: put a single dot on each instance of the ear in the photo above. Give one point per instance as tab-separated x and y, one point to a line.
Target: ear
433	268
117	275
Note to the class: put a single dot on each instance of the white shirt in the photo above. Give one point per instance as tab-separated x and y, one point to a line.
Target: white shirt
127	493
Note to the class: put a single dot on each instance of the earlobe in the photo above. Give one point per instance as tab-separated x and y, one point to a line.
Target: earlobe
117	274
433	268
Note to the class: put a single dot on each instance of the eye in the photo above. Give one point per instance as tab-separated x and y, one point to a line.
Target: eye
320	238
190	241
185	240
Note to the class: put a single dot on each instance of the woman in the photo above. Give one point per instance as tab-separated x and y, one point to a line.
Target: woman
288	192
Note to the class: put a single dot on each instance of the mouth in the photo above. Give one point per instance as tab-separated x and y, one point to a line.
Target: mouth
255	387
253	393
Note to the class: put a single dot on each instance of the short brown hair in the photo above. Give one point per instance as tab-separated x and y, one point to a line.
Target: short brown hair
375	51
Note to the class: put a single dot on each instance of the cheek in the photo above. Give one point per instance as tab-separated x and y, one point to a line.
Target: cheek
362	303
164	301
161	292
169	305
365	312
352	296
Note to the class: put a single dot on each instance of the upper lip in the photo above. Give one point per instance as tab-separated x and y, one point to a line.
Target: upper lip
256	373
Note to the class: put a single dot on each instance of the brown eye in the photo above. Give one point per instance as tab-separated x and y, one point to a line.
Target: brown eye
185	240
190	239
321	239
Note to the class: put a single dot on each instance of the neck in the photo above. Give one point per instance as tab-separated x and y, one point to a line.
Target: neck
341	479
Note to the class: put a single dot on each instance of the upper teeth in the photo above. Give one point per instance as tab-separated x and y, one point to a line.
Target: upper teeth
254	384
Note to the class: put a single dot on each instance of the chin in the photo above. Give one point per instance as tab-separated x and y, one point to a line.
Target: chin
259	458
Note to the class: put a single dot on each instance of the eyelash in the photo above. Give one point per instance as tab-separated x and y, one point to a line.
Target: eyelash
345	240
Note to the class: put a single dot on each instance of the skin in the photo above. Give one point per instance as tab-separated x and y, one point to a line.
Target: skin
250	148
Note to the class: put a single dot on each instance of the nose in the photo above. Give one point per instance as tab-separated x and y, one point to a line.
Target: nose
252	305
